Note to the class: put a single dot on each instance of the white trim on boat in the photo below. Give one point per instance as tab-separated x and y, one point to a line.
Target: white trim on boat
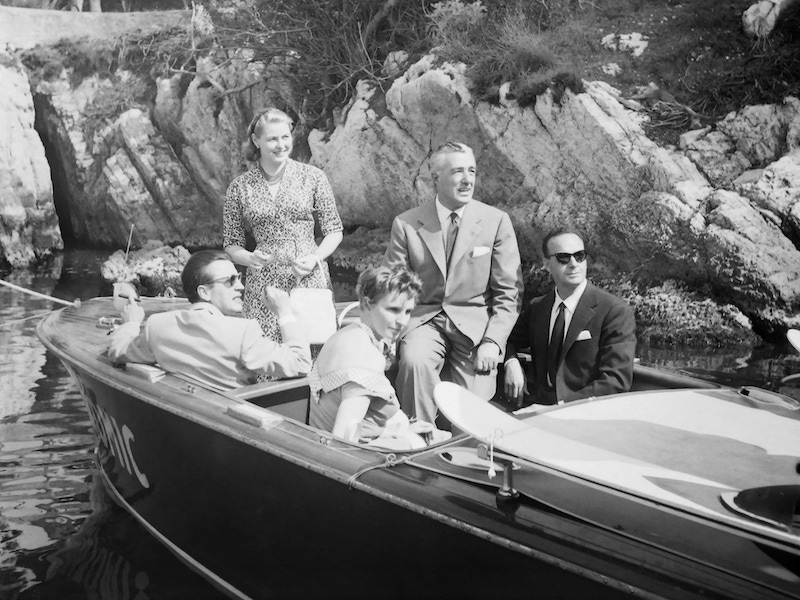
212	577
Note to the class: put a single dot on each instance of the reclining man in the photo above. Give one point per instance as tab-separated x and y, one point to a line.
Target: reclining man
208	341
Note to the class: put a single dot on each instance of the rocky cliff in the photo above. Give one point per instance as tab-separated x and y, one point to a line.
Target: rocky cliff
28	222
719	213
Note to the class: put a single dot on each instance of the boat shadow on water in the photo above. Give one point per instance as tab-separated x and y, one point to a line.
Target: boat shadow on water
111	557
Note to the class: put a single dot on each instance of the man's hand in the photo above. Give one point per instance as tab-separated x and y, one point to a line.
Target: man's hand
303	265
486	358
516	382
277	301
132	312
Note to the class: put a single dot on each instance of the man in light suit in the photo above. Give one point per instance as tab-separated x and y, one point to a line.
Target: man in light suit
581	350
466	254
209	341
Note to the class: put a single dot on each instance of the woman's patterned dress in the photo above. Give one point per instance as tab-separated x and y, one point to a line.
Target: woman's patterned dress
283	226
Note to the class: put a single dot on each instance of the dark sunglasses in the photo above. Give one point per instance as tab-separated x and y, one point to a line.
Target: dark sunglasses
563	257
229	281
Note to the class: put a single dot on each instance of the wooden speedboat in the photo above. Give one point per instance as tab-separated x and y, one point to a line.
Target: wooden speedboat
688	490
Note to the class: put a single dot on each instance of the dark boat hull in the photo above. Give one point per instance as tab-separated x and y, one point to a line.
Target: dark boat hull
250	508
283	510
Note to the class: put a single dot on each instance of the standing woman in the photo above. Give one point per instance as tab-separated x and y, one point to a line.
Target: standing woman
279	200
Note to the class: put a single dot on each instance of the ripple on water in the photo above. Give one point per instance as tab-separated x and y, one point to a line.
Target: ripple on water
46	448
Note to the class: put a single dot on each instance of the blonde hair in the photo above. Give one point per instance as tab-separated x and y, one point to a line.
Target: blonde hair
256	126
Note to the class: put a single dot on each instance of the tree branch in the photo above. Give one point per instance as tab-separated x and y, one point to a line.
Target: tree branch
377	19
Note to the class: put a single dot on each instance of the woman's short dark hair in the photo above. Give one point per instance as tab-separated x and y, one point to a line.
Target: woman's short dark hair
195	271
257	124
377	282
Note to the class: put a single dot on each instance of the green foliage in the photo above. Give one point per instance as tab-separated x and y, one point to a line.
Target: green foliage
321	48
144	56
514	48
505	46
112	101
673	314
455	18
154	53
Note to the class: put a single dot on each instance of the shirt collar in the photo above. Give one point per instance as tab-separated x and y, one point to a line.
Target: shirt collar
444	213
205	306
571	302
386	347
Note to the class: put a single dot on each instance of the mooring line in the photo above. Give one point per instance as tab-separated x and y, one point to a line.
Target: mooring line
76	303
18	321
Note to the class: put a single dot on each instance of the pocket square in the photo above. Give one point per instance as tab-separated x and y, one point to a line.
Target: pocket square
480	251
583	335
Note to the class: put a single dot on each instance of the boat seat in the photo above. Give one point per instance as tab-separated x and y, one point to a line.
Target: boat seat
287	397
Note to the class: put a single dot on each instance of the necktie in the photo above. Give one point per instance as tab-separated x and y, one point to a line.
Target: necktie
452	232
556	342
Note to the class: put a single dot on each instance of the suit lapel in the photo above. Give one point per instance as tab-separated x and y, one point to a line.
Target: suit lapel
430	232
541	333
468	229
583	314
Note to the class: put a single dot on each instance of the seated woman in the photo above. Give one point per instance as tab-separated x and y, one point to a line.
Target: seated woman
355	399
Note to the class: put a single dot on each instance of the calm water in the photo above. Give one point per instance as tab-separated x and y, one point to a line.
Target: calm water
62	538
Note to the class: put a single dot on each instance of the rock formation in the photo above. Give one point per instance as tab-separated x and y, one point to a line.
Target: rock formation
718	214
28	221
761	18
152	172
702	216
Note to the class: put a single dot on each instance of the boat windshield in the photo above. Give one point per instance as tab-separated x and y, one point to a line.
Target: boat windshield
776	505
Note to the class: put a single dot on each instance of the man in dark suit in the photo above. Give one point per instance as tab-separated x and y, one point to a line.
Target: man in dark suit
582	339
465	252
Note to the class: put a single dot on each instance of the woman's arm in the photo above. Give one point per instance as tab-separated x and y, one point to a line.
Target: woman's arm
305	264
242	256
329	244
328	219
351	412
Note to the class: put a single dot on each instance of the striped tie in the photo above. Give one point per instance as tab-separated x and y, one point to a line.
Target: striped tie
452	232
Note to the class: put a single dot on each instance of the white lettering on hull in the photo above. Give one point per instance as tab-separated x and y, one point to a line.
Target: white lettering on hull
119	440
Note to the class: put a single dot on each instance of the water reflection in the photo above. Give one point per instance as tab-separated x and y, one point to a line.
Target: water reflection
110	556
765	365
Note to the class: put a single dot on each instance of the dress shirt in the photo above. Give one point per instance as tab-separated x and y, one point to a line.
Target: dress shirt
444	217
570	304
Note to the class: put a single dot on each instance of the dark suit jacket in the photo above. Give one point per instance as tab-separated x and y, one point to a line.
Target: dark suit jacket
601	363
482	293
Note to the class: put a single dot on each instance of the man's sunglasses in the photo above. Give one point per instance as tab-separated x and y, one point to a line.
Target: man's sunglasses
563	257
229	281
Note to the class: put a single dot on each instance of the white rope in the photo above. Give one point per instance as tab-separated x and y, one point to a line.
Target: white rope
496	435
76	303
18	321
